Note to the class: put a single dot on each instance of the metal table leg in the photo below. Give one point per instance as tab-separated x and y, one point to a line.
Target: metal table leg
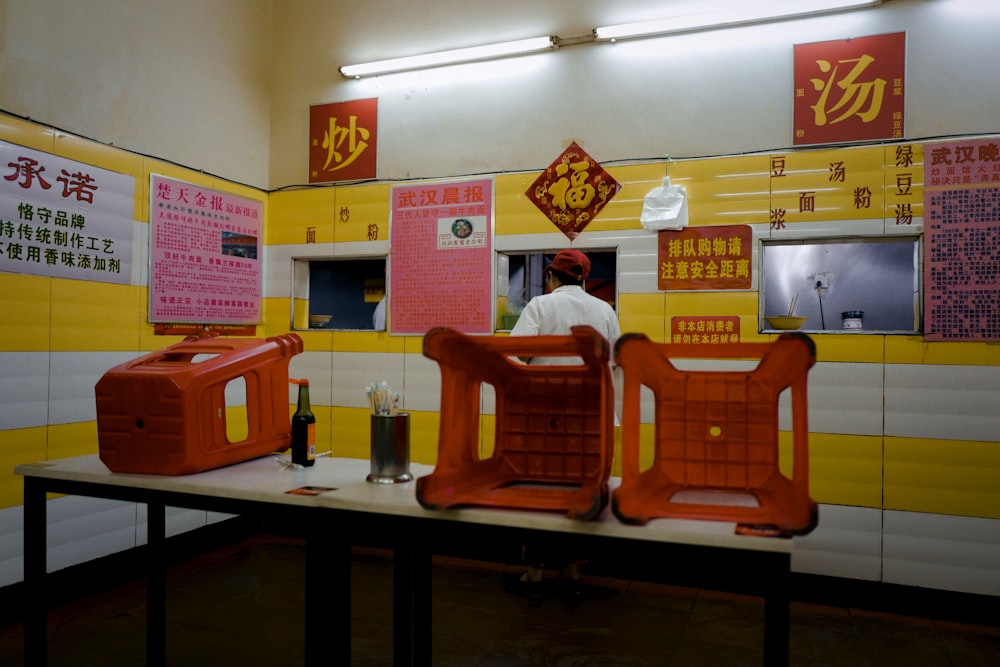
156	585
411	615
777	614
35	584
327	598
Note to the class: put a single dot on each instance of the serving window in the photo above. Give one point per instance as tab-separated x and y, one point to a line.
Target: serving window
520	279
848	285
337	293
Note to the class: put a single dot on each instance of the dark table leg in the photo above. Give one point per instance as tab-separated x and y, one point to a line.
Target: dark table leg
156	585
777	613
35	585
327	598
422	624
411	607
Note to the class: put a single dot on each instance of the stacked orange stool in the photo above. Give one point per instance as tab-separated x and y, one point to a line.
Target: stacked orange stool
716	436
554	434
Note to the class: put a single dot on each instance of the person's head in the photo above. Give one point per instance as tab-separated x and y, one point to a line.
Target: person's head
569	267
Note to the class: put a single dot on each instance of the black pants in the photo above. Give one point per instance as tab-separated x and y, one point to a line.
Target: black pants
549	554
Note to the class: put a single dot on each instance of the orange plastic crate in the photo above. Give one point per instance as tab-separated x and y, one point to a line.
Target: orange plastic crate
165	413
716	436
554	435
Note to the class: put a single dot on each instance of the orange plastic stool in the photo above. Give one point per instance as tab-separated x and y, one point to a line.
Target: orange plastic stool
554	436
165	413
717	432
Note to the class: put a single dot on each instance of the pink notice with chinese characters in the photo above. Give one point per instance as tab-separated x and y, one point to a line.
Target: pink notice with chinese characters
205	255
441	257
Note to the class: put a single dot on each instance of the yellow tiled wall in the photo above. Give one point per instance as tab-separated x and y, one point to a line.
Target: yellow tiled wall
50	316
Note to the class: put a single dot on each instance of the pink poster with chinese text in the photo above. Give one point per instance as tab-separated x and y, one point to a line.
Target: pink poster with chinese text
205	255
962	241
441	257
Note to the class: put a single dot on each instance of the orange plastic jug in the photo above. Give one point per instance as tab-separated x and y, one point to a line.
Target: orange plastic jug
165	412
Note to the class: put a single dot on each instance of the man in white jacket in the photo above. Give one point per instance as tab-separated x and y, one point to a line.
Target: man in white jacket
566	304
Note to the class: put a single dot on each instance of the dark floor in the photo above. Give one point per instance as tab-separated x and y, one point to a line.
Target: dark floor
242	604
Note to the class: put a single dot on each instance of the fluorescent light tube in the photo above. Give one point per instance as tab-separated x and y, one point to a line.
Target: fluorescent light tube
736	14
486	52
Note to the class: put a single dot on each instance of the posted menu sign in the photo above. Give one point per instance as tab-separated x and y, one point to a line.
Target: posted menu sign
205	255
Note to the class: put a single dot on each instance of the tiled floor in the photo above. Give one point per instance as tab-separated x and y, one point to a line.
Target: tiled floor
242	604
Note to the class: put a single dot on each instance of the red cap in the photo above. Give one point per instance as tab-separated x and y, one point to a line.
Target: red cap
571	262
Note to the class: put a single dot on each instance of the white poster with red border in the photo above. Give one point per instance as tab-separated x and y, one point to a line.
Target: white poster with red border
64	219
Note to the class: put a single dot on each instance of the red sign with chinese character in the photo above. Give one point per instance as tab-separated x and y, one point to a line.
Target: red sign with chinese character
705	330
850	89
705	258
573	190
342	141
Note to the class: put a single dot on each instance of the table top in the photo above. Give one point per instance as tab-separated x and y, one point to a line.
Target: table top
339	483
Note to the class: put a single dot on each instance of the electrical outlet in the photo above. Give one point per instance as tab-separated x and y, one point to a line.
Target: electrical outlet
823	280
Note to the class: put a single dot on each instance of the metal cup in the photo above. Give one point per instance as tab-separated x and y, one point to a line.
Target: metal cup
390	455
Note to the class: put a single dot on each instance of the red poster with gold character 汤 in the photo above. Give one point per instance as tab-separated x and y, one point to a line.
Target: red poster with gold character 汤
850	90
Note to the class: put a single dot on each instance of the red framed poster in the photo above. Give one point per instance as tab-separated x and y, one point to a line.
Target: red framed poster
705	258
850	90
343	141
204	255
441	257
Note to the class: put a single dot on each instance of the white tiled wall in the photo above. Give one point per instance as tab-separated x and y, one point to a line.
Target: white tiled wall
845	398
846	543
82	529
24	392
946	402
954	553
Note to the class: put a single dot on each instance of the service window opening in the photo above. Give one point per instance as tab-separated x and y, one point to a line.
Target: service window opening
344	294
520	279
851	285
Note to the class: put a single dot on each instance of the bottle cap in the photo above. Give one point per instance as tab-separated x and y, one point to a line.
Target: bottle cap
304	382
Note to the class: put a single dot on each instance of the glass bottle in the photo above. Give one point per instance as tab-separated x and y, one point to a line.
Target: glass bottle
303	429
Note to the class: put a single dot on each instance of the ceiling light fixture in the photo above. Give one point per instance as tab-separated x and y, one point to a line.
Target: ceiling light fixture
454	56
738	13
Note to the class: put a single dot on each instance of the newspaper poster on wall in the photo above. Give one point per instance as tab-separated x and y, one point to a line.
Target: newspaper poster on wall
205	254
441	245
962	241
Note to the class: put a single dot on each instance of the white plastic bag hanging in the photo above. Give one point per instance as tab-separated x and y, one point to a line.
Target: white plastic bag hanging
665	207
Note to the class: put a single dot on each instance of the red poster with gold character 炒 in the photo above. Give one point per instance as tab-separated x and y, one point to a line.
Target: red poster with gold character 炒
343	137
850	89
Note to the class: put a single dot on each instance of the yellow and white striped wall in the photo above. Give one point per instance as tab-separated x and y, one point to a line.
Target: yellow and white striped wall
904	444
